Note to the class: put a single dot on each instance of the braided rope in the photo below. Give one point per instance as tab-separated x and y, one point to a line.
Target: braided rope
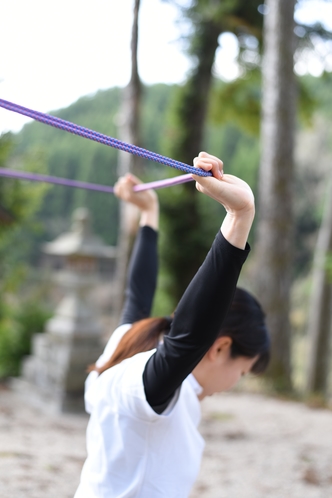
101	138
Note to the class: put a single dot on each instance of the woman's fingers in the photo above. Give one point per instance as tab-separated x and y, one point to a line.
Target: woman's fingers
209	185
124	190
207	162
133	179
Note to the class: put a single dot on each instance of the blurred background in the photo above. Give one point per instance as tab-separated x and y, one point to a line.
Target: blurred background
248	82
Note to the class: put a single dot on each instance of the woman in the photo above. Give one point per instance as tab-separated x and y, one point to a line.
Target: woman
144	392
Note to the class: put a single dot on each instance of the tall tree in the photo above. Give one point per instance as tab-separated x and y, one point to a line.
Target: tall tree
129	114
320	312
182	211
274	244
184	219
129	117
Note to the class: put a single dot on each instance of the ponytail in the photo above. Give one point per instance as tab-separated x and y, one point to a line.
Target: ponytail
144	335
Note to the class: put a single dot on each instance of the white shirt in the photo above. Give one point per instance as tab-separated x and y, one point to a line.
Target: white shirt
133	451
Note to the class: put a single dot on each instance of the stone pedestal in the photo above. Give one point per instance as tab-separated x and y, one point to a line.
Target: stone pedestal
60	356
57	367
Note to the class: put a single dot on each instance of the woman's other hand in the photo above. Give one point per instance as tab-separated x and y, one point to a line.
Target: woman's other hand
146	201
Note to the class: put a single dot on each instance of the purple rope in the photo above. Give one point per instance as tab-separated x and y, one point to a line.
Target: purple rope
99	137
164	183
22	175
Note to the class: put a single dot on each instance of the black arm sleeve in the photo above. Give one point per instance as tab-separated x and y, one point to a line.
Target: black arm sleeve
196	324
142	277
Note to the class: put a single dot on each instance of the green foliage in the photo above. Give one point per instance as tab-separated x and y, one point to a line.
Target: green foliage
17	325
240	17
5	148
307	103
239	102
328	267
18	199
320	91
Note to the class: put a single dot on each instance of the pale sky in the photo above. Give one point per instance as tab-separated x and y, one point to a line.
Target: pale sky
53	52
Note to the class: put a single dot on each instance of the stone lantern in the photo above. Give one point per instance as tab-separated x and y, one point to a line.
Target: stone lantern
73	336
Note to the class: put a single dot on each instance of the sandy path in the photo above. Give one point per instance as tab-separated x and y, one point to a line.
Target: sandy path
256	447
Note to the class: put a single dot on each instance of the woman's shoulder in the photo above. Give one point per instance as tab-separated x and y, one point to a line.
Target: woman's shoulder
121	386
124	384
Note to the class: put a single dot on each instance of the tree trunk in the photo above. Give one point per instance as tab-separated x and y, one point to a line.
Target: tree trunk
130	109
274	245
129	116
319	328
188	247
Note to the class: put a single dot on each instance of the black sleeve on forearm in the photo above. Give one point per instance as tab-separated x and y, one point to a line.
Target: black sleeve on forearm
196	324
142	277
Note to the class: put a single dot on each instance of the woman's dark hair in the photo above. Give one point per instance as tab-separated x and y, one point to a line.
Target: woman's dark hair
245	325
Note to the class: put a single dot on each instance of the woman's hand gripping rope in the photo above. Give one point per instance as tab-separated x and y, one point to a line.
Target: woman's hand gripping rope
233	193
146	201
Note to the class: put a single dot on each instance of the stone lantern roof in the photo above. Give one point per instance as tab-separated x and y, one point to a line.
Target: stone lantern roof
80	241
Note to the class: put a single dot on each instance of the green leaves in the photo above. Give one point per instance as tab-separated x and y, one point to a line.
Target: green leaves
17	325
238	102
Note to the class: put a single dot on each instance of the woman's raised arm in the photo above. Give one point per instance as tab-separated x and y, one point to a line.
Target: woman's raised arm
206	301
143	266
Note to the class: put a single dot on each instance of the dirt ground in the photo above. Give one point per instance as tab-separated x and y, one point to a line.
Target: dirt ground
256	447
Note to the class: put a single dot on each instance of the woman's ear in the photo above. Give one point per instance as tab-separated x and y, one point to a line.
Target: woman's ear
220	348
